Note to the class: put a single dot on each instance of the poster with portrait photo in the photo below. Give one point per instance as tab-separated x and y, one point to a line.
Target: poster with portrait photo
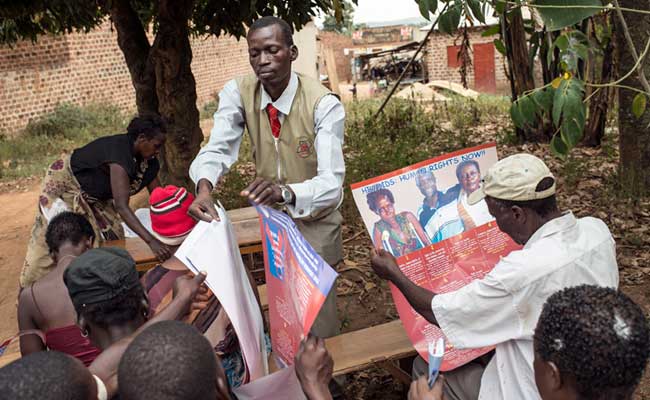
420	214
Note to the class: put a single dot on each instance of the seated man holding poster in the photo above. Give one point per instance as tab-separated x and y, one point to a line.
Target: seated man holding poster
502	308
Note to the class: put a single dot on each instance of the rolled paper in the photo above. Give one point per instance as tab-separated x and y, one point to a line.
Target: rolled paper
436	354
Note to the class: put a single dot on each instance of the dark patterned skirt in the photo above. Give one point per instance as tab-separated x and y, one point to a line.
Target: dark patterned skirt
60	191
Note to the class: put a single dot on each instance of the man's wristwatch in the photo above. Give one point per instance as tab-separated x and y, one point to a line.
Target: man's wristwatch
287	195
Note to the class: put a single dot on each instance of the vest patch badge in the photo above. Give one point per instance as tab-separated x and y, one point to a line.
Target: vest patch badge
305	147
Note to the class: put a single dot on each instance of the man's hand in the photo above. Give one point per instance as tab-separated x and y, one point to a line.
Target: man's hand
420	389
191	291
161	250
384	264
314	367
202	208
263	192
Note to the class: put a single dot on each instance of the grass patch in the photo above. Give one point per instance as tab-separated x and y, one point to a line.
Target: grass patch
62	130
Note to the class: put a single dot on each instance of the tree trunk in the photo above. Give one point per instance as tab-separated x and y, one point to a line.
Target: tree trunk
132	39
521	71
634	133
549	72
176	90
599	103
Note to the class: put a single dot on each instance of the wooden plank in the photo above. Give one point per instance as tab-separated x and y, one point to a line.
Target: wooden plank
240	214
357	350
245	224
330	65
263	298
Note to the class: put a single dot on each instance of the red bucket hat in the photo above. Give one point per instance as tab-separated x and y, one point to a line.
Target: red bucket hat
170	221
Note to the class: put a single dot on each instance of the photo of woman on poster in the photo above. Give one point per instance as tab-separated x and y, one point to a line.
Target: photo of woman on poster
400	233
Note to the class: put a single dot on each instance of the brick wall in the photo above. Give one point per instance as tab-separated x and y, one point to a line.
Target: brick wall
338	43
86	68
438	63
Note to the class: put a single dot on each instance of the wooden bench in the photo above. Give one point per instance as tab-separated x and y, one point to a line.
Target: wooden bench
382	345
245	223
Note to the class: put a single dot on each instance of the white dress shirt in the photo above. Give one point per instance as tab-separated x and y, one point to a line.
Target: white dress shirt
502	309
322	191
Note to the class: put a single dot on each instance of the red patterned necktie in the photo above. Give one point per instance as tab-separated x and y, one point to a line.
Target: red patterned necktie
274	120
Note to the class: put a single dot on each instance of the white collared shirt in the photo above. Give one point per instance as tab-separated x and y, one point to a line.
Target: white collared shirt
502	309
222	150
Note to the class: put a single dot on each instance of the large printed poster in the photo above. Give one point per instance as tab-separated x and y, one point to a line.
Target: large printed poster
420	214
297	281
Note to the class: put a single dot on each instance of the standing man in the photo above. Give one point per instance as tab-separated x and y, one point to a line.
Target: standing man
502	309
296	130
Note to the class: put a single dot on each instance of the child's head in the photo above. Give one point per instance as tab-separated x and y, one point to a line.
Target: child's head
47	375
171	360
590	343
68	228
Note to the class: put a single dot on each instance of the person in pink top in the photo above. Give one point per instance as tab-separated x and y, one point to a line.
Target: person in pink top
45	305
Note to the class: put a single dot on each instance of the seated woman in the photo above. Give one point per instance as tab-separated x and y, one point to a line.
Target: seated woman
97	181
171	224
109	299
45	305
400	233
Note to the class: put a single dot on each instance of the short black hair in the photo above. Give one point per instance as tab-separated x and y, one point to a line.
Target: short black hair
46	375
373	198
67	227
542	207
463	164
597	335
149	125
287	30
118	311
169	360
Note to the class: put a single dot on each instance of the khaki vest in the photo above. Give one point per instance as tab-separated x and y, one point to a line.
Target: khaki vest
293	159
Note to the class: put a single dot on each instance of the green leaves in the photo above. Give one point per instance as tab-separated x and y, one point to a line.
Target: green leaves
564	105
523	112
573	46
639	105
449	21
475	5
562	14
493	30
427	7
501	48
569	113
558	147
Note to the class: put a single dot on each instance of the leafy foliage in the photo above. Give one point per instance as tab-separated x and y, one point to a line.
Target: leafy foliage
346	23
453	12
565	15
29	19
